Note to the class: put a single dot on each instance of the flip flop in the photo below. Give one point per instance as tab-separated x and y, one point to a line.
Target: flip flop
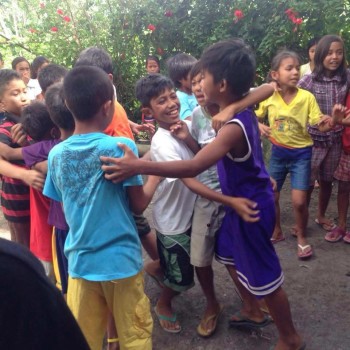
346	238
276	240
171	318
302	254
326	226
335	235
202	331
245	322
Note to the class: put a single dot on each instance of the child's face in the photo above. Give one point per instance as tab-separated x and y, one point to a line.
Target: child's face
186	84
165	108
197	89
14	97
312	51
23	70
210	89
288	73
334	57
152	67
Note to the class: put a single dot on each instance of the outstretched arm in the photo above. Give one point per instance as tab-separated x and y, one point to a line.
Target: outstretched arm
10	153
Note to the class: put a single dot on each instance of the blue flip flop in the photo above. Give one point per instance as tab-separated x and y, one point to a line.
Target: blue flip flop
171	318
242	321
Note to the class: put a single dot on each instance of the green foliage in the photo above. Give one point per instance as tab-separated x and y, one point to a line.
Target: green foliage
132	29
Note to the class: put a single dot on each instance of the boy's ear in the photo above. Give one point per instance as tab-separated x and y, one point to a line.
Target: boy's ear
223	85
55	132
146	111
107	106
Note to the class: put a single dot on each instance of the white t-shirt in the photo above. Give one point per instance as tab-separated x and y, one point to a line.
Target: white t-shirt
173	202
33	89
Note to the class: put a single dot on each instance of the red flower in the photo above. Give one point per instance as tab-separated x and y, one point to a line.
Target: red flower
168	13
42	5
66	18
151	27
59	12
298	21
54	29
289	12
238	14
160	51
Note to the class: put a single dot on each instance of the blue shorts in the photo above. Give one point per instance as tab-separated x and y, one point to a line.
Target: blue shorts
299	170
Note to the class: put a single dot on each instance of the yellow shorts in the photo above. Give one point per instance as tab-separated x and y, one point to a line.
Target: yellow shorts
90	301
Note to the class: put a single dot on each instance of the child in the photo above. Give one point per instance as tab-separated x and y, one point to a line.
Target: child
228	72
329	83
152	64
179	68
14	194
50	74
22	67
33	86
102	247
290	110
308	68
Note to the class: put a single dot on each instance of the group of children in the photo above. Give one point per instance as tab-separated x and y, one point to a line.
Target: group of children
212	194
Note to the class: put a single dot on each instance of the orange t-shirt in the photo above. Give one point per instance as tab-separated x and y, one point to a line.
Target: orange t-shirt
119	126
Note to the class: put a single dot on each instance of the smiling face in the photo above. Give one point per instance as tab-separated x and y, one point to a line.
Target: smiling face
165	108
14	97
288	73
334	57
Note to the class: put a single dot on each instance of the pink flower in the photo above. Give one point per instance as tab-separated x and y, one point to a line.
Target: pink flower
66	18
59	12
42	5
151	27
238	14
298	21
54	29
168	13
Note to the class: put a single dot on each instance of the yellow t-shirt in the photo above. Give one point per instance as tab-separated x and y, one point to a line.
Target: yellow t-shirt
288	122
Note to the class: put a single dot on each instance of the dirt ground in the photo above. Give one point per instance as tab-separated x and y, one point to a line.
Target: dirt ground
318	291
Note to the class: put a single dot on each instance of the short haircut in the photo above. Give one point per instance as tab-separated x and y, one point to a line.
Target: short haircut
51	74
36	64
152	58
151	86
196	69
233	61
179	66
6	76
86	89
18	60
36	120
59	113
95	56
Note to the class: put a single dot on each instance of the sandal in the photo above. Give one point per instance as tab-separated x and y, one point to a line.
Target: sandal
346	238
202	331
304	251
335	235
327	226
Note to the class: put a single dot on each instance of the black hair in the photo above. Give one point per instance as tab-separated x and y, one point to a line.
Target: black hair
152	58
36	120
322	51
95	56
51	74
36	64
86	89
59	113
196	69
151	86
312	42
179	66
6	76
18	60
233	61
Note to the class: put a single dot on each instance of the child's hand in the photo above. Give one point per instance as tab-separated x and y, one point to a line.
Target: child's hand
18	135
275	85
137	128
223	117
119	169
264	130
338	113
273	184
34	179
180	130
245	208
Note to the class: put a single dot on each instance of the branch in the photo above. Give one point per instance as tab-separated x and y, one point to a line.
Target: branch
8	40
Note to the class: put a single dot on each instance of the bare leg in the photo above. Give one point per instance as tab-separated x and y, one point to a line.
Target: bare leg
278	305
206	279
149	243
277	232
164	308
301	213
323	200
250	307
343	203
112	334
20	232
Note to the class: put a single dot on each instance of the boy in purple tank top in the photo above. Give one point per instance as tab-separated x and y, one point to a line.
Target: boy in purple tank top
245	248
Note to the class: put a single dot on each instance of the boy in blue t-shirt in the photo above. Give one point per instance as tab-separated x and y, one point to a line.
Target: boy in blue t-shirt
179	68
102	247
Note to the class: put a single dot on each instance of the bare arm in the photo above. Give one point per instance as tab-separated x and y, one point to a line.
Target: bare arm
255	96
181	132
41	167
140	196
10	153
243	206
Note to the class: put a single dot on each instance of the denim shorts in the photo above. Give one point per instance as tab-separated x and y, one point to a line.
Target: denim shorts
299	170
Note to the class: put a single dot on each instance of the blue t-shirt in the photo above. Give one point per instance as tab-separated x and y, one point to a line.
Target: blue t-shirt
102	242
187	104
